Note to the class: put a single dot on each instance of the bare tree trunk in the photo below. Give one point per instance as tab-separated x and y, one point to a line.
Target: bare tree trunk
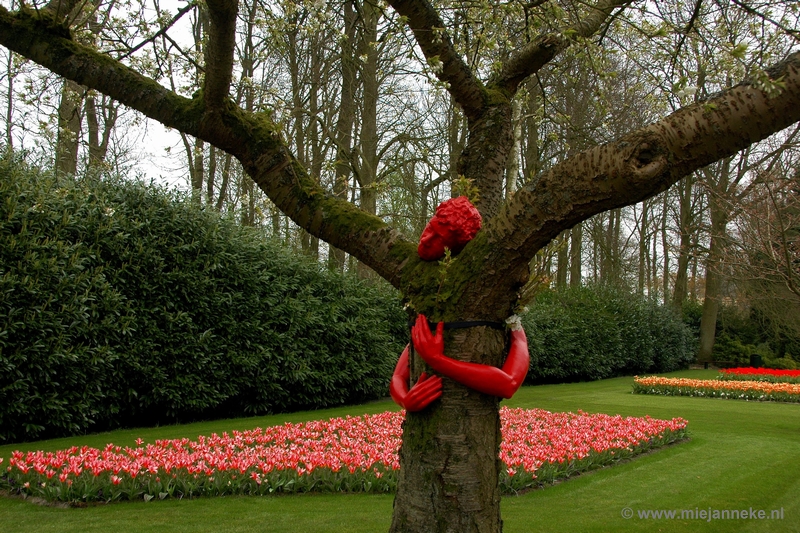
597	260
212	173
532	160
562	260
245	185
93	132
576	256
99	133
665	247
226	176
368	143
313	132
10	76
486	154
644	247
197	153
69	128
684	251
708	320
298	111
198	174
344	122
694	288
653	282
610	265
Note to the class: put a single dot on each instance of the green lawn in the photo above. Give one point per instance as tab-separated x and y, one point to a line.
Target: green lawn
741	455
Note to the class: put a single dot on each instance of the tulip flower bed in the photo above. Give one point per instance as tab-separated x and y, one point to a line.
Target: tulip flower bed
773	375
341	454
715	388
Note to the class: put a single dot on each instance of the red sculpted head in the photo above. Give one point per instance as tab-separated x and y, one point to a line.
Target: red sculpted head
454	224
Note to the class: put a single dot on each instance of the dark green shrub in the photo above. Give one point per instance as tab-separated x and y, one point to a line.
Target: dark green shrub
746	328
124	305
596	332
781	363
730	352
691	312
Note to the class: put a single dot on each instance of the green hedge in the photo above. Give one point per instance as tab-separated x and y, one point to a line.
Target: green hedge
596	332
122	304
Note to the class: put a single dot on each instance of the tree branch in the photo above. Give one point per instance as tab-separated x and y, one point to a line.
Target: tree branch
60	9
250	137
434	40
219	51
794	33
529	60
651	159
631	169
188	7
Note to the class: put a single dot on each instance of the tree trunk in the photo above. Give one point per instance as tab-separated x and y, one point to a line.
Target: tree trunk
313	131
576	256
99	131
198	175
368	141
652	282
719	222
449	465
563	263
10	76
69	128
665	248
344	122
485	157
708	320
609	269
212	173
644	248
456	134
93	131
223	187
684	223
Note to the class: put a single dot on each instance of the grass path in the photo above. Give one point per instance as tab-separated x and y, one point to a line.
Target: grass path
741	455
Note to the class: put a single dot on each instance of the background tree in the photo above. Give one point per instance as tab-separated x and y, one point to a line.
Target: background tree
764	252
450	471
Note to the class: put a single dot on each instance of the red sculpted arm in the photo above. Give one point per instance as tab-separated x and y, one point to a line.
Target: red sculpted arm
503	382
426	390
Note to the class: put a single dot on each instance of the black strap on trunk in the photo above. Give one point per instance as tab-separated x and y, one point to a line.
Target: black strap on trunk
465	324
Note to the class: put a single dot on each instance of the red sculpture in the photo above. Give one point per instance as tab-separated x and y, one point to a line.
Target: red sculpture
502	382
426	390
454	224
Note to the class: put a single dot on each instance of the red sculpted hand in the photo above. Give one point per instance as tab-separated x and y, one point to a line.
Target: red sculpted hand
426	390
426	344
503	382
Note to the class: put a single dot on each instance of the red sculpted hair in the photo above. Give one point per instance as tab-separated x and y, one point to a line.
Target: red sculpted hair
454	224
